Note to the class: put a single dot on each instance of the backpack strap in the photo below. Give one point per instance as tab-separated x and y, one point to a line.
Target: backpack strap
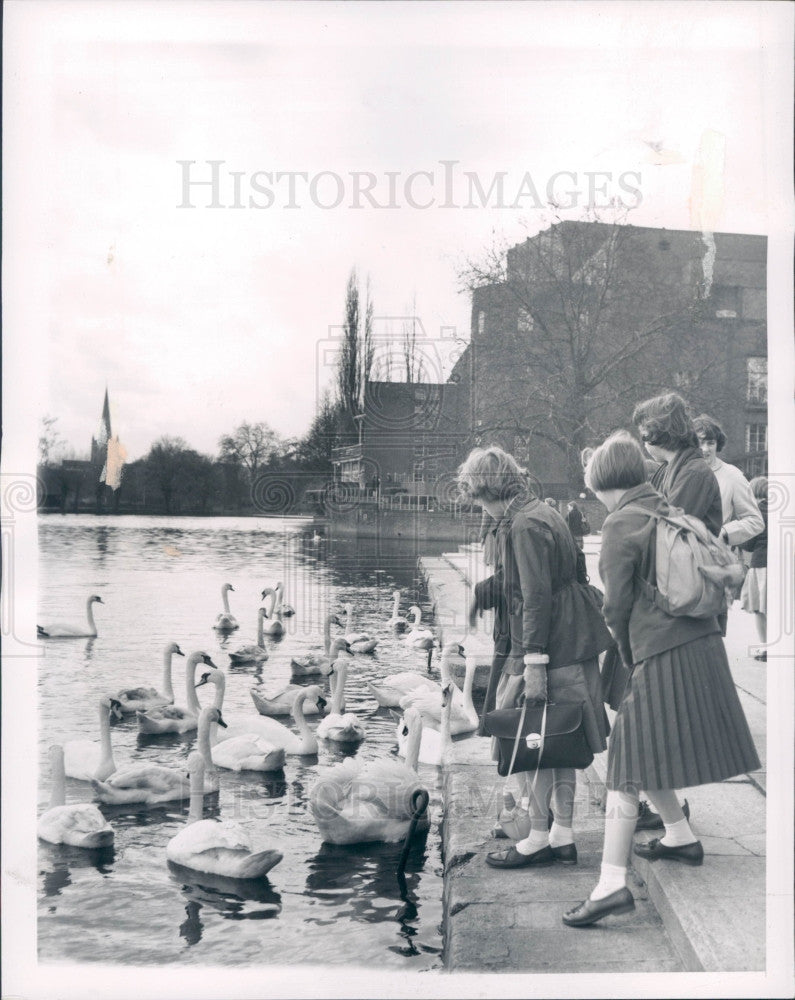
646	586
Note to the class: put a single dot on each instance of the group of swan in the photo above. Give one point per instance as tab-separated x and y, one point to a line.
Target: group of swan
171	718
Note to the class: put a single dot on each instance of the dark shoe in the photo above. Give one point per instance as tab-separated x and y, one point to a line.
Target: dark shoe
689	854
589	911
513	859
648	819
566	855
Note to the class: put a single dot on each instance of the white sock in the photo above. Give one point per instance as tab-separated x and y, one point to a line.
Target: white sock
611	879
678	834
560	836
534	842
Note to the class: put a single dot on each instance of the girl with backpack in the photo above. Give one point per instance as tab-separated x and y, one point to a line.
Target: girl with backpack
680	722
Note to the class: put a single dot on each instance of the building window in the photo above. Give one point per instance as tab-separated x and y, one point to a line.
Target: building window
481	321
726	299
755	437
757	380
524	321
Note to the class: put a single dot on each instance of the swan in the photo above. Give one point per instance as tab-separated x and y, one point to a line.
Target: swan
360	642
285	610
78	825
170	718
315	663
274	616
151	784
418	636
143	699
249	752
226	621
355	802
217	847
391	689
252	654
89	759
398	623
463	715
282	702
336	726
435	744
271	730
60	631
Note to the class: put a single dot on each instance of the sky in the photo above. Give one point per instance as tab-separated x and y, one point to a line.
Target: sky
198	318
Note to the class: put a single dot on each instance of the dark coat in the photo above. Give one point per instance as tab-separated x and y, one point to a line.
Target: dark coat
576	523
540	606
757	545
640	628
688	482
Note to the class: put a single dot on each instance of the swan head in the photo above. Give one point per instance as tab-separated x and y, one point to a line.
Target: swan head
97	598
113	707
214	715
217	677
201	657
227	587
173	648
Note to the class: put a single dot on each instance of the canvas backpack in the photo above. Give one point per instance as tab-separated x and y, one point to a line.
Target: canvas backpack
696	573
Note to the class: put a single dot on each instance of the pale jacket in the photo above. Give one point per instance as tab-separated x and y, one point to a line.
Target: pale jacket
742	519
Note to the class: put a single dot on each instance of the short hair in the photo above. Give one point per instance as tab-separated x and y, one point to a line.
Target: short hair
491	474
665	421
759	487
708	427
617	464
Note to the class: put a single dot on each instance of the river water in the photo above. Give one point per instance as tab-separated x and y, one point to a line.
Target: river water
160	580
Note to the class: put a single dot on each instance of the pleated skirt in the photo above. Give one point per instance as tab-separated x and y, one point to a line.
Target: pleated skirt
754	593
680	723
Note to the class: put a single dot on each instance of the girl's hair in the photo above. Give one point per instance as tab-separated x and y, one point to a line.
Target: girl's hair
665	421
491	474
709	428
759	487
617	464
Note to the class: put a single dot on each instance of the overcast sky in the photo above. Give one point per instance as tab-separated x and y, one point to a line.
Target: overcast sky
199	318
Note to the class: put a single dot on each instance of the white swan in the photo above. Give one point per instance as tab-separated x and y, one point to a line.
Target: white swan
418	636
78	825
282	702
355	802
142	699
316	663
221	848
226	621
360	642
285	610
151	784
336	726
463	716
271	730
391	689
435	744
171	718
249	752
274	626
61	631
252	654
89	759
398	623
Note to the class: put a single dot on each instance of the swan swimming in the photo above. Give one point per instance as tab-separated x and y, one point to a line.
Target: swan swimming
226	621
418	636
78	825
61	631
274	628
391	689
360	642
435	744
316	663
398	623
463	714
286	610
356	802
249	752
282	702
218	847
252	654
171	718
336	726
142	699
89	759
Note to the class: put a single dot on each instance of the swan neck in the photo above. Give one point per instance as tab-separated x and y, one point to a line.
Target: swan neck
469	680
225	599
90	615
196	811
58	790
338	688
396	604
106	749
413	743
191	698
261	627
416	617
203	745
168	689
327	635
298	714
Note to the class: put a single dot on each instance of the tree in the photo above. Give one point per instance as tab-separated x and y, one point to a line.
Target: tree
413	367
575	314
357	353
49	439
251	446
166	465
314	450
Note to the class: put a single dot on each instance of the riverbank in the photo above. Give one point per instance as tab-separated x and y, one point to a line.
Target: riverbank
709	919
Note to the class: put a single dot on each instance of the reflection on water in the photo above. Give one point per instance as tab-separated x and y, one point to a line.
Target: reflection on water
160	580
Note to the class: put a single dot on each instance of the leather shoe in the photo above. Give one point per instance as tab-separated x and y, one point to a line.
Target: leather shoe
566	855
689	854
589	911
648	819
513	859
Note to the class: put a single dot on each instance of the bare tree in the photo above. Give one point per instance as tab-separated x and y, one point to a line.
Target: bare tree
251	446
49	439
413	367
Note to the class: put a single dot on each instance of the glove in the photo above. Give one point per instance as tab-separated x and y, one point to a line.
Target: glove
474	614
535	682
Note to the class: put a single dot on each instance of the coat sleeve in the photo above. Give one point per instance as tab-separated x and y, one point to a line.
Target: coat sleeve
698	494
617	562
745	521
535	580
487	593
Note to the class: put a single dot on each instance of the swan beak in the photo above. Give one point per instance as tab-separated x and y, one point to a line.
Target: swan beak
347	646
321	704
430	657
99	599
221	722
209	662
231	588
205	679
179	652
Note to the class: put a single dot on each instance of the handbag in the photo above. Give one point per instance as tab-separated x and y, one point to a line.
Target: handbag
551	734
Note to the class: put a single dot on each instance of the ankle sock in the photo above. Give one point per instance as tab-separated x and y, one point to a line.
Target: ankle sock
611	879
532	843
678	834
560	836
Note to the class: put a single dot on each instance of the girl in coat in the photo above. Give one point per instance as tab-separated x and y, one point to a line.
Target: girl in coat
754	593
680	722
548	633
